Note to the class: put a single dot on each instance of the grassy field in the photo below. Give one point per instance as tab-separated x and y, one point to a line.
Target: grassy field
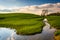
23	23
28	23
54	21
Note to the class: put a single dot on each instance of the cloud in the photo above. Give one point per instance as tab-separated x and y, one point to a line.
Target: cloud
35	9
8	9
2	7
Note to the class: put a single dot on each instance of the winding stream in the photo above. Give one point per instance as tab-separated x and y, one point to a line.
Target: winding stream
46	34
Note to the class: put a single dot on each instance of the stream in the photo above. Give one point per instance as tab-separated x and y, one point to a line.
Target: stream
46	34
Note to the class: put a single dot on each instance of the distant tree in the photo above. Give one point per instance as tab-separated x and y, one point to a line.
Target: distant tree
56	14
44	12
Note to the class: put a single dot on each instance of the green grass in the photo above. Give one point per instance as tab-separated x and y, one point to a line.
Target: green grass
54	21
57	33
28	23
23	23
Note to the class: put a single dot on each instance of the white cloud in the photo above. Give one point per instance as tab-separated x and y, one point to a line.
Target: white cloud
2	7
36	9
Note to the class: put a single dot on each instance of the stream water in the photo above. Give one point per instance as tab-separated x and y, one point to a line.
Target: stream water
46	34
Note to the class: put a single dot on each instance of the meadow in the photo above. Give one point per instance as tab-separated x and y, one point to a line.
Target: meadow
23	23
28	24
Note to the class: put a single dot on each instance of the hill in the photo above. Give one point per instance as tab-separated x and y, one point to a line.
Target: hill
23	23
27	24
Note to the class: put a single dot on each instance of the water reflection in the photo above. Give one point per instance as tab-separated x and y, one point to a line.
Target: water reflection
47	34
5	33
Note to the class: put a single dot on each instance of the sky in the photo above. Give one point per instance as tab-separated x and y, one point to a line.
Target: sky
31	6
10	3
